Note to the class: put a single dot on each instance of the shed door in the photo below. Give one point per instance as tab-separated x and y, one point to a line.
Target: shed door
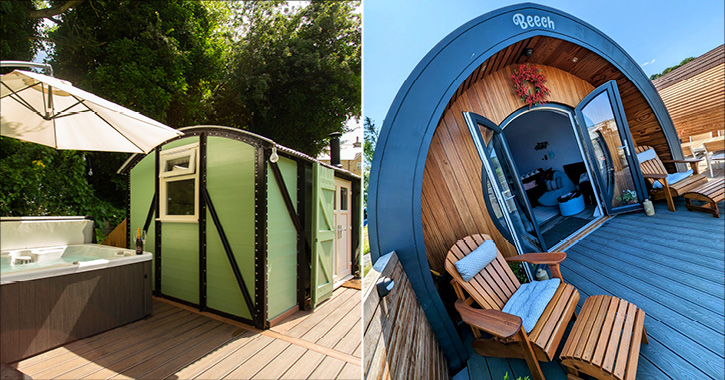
343	225
601	120
323	233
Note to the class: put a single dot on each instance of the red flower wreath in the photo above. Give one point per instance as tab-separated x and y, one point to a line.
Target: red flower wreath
533	75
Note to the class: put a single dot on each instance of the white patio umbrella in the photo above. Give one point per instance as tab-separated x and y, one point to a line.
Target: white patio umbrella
49	111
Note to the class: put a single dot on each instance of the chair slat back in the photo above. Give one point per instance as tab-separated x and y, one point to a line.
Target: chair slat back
714	145
687	150
493	285
653	166
701	136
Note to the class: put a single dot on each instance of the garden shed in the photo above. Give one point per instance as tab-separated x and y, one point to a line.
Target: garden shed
243	227
461	152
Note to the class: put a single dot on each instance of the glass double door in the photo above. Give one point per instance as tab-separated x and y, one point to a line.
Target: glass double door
607	143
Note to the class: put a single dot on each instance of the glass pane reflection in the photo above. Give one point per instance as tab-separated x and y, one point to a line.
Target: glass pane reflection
609	152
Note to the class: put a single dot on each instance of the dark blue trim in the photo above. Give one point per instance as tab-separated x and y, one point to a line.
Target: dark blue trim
398	165
610	88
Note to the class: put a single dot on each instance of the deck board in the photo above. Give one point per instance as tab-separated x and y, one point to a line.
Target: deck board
176	342
671	266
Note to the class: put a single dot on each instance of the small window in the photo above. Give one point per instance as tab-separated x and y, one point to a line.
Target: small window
179	184
343	199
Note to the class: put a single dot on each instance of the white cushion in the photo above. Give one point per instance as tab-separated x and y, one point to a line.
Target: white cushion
673	179
530	300
646	155
470	265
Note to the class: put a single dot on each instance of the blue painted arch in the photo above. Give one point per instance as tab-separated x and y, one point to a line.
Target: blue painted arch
396	178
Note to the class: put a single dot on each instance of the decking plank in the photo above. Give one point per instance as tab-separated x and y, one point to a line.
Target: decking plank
74	360
276	368
180	343
630	257
673	339
670	289
321	313
201	343
259	360
193	355
329	368
230	362
304	366
636	264
331	336
200	366
122	359
350	372
352	340
95	342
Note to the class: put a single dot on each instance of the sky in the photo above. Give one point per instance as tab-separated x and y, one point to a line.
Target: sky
397	34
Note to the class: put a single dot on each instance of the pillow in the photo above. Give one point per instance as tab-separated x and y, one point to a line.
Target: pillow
646	155
672	179
530	300
470	265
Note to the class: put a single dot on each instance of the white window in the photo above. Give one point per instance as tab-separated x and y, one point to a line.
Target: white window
179	184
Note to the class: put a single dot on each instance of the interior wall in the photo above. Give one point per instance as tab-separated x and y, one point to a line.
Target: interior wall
523	133
452	198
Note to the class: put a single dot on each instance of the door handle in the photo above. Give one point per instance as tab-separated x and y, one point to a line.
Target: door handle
626	148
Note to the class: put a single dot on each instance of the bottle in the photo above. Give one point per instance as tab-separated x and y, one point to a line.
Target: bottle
649	210
139	242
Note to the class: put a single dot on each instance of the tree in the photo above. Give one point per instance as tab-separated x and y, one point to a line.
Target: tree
295	73
371	140
667	70
160	58
38	180
18	31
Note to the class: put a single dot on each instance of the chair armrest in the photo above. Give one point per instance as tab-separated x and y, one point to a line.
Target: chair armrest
655	176
693	163
552	259
539	258
685	161
494	322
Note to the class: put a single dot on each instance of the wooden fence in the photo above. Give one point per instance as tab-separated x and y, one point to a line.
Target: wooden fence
398	342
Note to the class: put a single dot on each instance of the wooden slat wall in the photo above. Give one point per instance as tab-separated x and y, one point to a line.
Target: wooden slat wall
697	104
398	343
590	67
452	199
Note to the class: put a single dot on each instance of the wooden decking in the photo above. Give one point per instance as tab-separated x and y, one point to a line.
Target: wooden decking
177	343
672	266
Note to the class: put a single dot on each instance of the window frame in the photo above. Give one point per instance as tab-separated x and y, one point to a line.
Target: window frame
165	177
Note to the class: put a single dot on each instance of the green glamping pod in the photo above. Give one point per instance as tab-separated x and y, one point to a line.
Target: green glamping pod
243	227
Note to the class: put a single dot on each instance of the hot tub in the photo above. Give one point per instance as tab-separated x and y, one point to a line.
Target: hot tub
67	290
43	262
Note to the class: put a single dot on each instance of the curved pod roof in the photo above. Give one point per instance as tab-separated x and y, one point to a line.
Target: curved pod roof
403	145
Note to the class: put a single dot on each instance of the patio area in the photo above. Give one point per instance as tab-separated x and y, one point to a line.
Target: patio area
177	343
671	266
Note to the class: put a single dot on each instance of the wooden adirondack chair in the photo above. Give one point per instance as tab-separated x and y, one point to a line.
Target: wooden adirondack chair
491	288
654	170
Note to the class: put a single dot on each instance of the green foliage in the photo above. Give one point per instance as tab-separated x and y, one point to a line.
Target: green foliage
371	140
519	272
18	31
38	180
506	377
667	70
160	58
295	73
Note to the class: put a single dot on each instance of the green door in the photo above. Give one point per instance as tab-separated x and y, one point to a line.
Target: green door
323	232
